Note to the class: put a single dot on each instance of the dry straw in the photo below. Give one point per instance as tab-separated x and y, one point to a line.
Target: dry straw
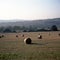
39	36
27	40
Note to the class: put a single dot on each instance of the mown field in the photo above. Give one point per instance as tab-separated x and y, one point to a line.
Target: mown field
14	48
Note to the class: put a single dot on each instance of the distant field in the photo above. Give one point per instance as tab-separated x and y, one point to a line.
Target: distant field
13	48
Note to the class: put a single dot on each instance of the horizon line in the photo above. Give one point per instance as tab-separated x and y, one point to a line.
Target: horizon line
29	19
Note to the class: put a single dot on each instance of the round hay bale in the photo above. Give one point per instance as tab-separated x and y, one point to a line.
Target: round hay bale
39	36
16	35
23	35
0	36
59	34
27	40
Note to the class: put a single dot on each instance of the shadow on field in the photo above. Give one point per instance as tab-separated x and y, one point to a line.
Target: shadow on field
39	43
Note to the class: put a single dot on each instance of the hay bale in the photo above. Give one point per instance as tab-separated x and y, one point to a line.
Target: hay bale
59	34
23	35
16	35
0	36
39	36
27	40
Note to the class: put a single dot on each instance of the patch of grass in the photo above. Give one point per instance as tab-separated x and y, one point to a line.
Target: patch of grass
30	56
9	56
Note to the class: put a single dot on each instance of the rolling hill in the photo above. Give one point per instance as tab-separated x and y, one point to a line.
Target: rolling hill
37	23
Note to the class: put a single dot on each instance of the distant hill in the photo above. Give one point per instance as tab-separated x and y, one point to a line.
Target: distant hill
35	23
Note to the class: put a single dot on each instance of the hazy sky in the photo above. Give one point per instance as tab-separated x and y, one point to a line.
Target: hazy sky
29	9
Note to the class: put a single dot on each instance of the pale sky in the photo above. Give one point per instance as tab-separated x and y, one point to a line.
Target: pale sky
29	9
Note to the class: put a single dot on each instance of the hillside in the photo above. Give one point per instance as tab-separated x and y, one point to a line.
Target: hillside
35	23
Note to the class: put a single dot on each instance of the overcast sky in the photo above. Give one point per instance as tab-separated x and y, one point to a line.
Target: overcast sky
29	9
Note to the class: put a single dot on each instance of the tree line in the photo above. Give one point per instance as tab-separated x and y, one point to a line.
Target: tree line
16	29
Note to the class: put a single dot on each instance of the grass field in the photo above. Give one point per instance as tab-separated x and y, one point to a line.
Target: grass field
13	48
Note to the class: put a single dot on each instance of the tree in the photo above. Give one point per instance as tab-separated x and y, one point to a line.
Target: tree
2	29
16	28
54	28
7	30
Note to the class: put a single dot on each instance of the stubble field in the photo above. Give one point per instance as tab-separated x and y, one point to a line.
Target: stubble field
14	48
